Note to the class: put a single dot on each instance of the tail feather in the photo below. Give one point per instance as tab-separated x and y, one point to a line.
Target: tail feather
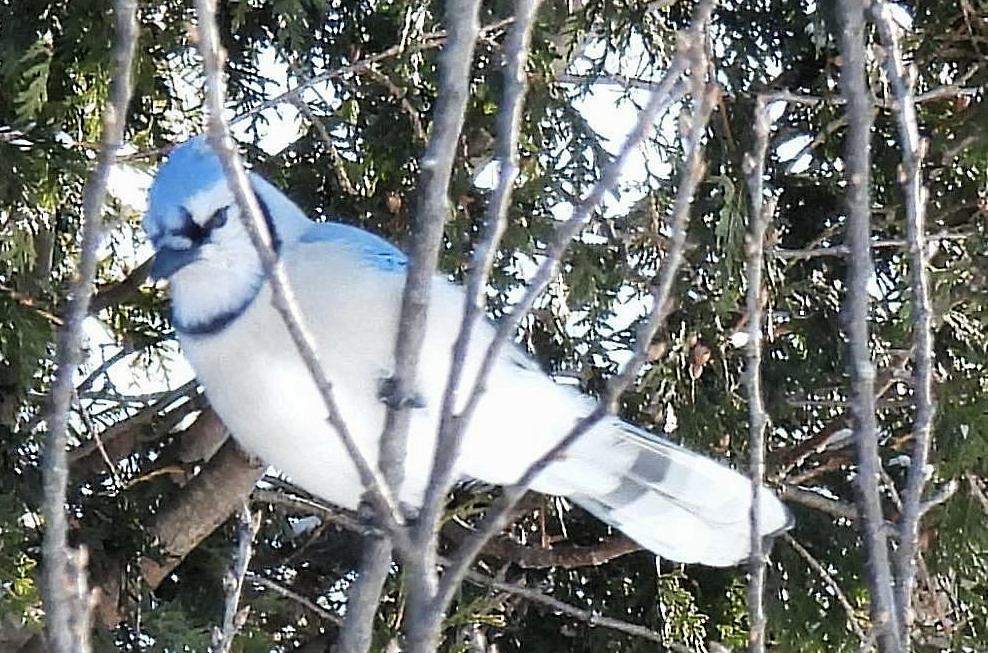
677	503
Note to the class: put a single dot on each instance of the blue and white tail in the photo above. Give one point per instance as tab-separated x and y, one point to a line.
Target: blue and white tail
679	504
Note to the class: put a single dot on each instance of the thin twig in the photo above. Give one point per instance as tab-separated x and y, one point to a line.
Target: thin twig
66	613
428	41
760	216
338	164
233	582
881	243
831	582
451	427
477	578
282	296
860	113
977	491
939	93
399	94
280	589
901	82
704	99
31	304
582	614
669	92
431	213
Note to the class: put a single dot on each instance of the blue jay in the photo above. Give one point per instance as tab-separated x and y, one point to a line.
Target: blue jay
679	504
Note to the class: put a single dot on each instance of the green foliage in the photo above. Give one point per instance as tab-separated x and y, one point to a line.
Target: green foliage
53	67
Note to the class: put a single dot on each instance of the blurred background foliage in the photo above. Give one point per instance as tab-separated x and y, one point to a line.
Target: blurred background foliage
346	150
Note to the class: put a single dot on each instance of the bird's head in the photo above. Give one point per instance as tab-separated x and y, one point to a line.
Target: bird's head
201	245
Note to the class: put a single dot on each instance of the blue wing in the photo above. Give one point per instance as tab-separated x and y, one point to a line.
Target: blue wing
374	249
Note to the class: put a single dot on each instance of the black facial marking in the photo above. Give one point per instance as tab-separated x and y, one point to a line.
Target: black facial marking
269	221
199	233
190	228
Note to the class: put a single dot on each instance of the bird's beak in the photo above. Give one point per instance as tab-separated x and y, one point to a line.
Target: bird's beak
168	261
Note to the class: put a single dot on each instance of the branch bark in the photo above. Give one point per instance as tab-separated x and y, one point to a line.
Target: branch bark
283	298
901	83
759	219
860	113
67	612
704	99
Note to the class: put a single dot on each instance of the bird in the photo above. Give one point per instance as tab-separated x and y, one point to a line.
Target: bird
348	282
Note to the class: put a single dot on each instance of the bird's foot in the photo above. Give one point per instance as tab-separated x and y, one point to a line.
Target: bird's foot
387	392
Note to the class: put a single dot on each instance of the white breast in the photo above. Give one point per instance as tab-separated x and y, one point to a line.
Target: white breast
262	391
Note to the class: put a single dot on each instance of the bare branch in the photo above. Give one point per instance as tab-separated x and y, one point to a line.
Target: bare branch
365	595
860	113
432	211
852	619
233	582
669	92
760	216
451	427
204	504
586	616
430	216
704	98
901	83
819	502
479	579
281	590
425	42
67	614
282	296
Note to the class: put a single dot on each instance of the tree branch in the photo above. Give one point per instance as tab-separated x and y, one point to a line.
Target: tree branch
67	614
831	582
860	113
431	214
704	99
428	41
283	298
759	219
233	582
913	149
